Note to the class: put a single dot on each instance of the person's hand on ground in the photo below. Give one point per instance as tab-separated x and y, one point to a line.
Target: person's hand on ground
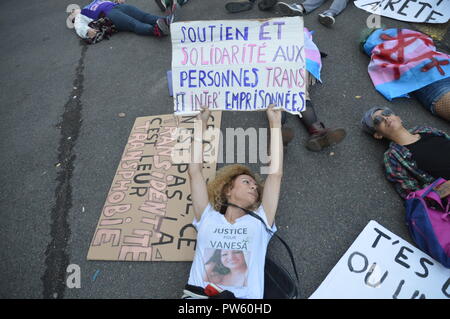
91	33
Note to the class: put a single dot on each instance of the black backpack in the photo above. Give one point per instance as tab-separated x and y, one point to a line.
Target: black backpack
105	29
278	282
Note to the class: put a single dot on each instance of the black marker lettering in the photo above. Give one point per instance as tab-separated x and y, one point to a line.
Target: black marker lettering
445	288
175	193
380	234
416	293
424	4
391	3
422	263
401	255
430	17
404	6
137	178
350	265
399	288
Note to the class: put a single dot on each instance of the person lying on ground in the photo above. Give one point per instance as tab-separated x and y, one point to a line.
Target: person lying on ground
124	17
404	62
320	136
327	18
416	157
222	222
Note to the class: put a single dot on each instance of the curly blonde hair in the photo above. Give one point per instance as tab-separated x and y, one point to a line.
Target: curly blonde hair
223	181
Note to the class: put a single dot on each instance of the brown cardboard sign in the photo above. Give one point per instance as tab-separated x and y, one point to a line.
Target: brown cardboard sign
148	212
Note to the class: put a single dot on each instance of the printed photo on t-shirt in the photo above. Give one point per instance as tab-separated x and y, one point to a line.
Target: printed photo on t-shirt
225	267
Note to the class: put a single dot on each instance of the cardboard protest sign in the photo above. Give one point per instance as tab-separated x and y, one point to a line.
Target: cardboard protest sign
148	212
430	11
381	265
238	65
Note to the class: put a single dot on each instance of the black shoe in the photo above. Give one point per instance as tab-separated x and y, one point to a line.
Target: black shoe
265	5
238	6
163	4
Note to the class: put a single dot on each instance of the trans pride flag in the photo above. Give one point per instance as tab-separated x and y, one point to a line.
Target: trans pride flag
403	61
312	54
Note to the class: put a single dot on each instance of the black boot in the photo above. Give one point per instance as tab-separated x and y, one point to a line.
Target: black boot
321	137
239	6
265	5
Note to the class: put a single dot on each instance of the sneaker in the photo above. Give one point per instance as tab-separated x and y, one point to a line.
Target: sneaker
163	4
265	5
289	10
327	19
238	6
171	13
161	28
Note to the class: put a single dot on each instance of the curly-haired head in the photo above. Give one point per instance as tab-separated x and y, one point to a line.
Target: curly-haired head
225	177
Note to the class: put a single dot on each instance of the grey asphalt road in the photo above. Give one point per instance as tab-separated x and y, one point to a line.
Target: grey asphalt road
62	138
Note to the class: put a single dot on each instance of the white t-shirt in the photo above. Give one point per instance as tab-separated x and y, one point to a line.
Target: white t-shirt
231	256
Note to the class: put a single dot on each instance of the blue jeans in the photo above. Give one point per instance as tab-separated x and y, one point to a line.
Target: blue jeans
129	18
430	94
336	7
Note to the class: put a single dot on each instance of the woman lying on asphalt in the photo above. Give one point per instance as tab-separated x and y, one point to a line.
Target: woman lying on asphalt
124	17
416	157
231	244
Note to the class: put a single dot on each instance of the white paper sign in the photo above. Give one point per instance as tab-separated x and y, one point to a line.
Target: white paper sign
238	65
427	11
381	265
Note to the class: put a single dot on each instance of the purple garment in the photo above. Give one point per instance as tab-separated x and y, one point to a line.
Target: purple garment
96	7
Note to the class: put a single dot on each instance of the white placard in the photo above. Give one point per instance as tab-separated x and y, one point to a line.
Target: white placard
427	11
238	65
381	265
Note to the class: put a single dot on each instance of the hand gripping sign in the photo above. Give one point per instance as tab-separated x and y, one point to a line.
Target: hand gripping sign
238	65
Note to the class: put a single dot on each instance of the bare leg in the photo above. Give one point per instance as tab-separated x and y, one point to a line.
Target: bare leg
442	107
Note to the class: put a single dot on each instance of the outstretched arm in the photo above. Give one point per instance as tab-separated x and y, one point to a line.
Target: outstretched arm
272	185
199	192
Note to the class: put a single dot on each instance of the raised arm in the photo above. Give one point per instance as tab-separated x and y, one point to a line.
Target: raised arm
199	192
272	185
